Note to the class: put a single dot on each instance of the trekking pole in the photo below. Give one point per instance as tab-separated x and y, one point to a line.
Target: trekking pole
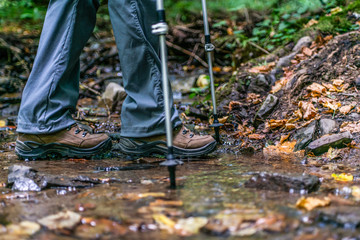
161	29
209	48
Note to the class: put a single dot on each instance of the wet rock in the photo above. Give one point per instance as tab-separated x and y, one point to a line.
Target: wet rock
323	144
198	113
285	61
259	84
20	178
283	182
23	178
354	116
267	107
357	81
327	126
304	136
303	42
345	216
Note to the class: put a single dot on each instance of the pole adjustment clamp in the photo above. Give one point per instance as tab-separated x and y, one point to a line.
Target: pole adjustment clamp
160	28
209	47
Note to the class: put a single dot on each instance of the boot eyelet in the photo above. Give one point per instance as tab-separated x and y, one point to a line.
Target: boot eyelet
77	131
84	134
184	131
191	135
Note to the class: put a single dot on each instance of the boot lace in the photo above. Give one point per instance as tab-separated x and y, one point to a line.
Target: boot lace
78	130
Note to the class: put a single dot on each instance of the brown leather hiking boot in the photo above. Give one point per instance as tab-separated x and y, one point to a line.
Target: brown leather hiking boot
70	142
186	144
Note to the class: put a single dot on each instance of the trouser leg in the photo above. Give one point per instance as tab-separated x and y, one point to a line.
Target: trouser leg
52	90
143	109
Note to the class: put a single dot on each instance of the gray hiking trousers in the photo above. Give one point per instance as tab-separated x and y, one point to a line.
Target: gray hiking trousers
52	90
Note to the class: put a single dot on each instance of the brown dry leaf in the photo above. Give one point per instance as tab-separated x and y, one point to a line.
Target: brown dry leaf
310	203
93	228
61	220
316	89
346	109
329	103
256	136
338	82
263	69
310	23
307	51
284	138
253	98
308	110
290	126
234	105
330	87
284	151
272	123
352	127
136	196
160	202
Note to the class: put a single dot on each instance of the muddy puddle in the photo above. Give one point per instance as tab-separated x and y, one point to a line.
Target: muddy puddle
131	200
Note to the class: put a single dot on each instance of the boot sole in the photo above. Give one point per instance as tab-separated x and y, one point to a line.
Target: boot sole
33	150
143	149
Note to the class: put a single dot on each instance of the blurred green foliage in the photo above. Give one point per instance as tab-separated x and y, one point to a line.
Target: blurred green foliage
269	23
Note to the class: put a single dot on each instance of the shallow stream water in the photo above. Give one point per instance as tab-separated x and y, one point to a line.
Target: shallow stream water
206	187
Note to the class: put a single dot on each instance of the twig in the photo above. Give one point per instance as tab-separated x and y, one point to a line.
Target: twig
187	52
257	46
194	52
16	51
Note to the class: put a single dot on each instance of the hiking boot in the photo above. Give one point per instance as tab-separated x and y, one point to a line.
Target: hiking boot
72	142
186	144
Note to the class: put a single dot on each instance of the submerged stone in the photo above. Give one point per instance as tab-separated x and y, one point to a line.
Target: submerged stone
345	216
323	144
283	182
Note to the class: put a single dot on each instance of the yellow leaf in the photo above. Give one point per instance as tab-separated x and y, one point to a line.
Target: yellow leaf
343	177
164	222
202	81
310	203
2	123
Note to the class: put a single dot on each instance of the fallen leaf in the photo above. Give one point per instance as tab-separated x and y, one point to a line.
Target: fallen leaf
338	82
190	226
203	81
310	203
307	51
23	229
316	89
330	87
136	196
346	109
263	69
164	222
343	177
308	110
160	202
256	136
93	228
272	123
355	192
310	23
61	220
284	138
